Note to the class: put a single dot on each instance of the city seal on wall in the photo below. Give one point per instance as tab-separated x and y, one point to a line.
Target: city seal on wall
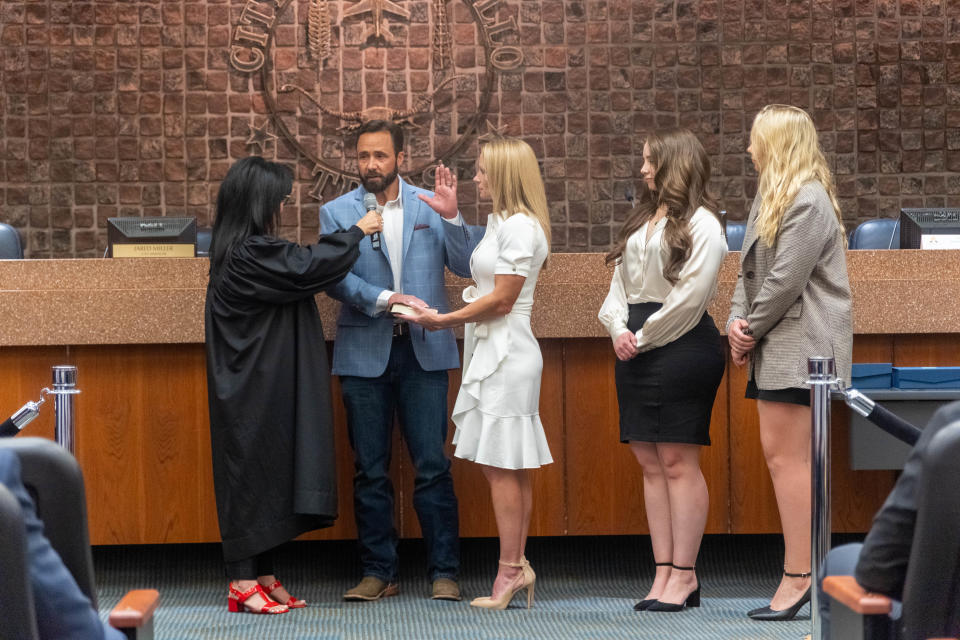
323	67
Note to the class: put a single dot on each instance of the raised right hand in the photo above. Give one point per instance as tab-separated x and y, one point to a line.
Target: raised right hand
370	223
444	198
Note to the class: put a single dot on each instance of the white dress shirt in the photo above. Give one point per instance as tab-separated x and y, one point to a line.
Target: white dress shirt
392	238
639	278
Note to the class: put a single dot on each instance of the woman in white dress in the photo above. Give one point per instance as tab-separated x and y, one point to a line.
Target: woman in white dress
497	410
670	358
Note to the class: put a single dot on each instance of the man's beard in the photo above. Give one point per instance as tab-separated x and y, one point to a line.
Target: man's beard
375	183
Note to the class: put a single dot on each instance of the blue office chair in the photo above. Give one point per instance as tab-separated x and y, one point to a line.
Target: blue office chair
881	233
10	247
735	232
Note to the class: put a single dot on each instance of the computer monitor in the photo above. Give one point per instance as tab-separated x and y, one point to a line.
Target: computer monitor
151	237
930	228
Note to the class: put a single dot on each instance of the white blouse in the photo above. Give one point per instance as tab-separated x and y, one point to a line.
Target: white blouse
639	278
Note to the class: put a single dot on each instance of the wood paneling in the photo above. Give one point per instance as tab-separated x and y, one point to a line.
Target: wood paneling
549	491
142	425
24	372
715	460
753	506
932	350
604	483
856	494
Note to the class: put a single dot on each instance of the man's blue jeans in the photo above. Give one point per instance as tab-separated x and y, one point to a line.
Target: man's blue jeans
420	399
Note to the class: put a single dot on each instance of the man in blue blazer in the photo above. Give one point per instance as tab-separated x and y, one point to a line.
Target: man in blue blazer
386	365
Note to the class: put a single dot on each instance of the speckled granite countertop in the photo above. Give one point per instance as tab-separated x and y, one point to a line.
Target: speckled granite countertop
149	300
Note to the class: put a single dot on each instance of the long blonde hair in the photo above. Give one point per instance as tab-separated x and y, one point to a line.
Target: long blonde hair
787	153
513	177
682	179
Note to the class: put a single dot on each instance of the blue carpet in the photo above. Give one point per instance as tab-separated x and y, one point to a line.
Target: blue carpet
585	590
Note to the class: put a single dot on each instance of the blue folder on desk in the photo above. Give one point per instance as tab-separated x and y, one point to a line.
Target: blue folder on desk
871	375
926	377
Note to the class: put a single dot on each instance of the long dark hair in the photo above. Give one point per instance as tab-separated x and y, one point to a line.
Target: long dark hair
682	179
247	205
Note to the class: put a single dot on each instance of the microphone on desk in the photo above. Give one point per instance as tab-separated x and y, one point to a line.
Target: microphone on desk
370	204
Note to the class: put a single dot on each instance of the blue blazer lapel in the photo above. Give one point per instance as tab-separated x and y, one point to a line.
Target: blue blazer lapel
411	213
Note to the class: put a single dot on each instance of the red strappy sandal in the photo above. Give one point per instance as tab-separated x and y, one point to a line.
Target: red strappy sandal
236	600
293	603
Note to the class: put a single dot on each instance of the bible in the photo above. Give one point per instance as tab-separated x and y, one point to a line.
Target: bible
400	308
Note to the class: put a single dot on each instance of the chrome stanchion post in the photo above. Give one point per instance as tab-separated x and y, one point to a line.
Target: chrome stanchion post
822	381
64	388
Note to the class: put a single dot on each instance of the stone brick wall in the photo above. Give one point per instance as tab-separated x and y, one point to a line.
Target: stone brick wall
133	108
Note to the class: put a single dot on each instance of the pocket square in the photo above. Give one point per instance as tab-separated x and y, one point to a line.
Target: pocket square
418	227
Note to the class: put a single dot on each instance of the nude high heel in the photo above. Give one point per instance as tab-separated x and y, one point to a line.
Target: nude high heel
527	581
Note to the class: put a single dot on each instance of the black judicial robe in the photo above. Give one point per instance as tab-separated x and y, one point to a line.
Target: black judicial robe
268	384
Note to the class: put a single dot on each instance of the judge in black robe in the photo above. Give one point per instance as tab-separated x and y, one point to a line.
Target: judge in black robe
267	374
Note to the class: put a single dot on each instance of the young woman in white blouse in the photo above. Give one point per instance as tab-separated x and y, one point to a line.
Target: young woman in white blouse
669	355
497	410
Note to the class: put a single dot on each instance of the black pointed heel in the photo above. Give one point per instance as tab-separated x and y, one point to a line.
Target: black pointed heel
693	599
644	604
772	615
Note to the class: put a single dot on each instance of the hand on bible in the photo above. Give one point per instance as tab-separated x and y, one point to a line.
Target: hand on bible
403	298
444	199
426	317
625	346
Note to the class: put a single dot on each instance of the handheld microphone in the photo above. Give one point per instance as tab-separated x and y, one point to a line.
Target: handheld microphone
370	204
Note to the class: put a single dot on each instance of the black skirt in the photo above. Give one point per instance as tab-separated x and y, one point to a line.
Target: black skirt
666	394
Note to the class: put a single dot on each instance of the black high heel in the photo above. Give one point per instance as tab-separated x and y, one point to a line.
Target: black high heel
768	614
644	604
693	598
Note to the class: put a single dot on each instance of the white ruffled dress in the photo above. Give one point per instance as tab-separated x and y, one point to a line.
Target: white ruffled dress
497	411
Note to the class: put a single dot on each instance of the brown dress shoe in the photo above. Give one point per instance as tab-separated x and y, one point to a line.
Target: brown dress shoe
446	589
371	588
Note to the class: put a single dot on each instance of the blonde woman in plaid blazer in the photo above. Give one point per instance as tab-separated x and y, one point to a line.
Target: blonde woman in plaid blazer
792	301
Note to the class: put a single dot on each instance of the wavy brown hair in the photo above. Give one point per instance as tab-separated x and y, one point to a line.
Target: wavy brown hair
682	184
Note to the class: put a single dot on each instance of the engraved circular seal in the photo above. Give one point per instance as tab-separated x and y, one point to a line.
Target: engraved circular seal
324	67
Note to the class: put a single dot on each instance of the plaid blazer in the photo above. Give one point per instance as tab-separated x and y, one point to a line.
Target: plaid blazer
795	294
